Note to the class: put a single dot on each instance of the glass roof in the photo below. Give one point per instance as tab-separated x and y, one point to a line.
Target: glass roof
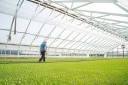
67	25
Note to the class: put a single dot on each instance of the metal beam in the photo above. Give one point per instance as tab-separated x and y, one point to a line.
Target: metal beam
50	7
56	38
37	35
14	20
99	16
114	20
108	13
121	7
81	6
111	24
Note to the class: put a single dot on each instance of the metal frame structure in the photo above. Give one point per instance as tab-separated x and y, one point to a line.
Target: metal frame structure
67	27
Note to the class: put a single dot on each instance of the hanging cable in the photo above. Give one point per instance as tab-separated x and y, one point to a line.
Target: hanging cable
15	19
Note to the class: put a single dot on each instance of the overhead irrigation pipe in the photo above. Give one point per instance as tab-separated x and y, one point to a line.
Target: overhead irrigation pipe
15	19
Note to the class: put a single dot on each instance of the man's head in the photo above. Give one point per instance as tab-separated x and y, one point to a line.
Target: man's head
44	41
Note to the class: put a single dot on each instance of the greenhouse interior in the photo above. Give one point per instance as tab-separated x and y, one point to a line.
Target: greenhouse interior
72	28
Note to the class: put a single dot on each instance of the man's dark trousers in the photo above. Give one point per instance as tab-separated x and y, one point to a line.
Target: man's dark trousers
42	56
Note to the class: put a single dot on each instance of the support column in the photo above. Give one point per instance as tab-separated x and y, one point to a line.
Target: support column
123	47
60	55
18	54
88	55
105	55
117	51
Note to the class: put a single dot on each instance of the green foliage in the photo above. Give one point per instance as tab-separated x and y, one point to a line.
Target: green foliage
64	71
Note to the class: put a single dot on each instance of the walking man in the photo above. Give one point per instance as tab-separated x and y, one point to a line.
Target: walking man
43	48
